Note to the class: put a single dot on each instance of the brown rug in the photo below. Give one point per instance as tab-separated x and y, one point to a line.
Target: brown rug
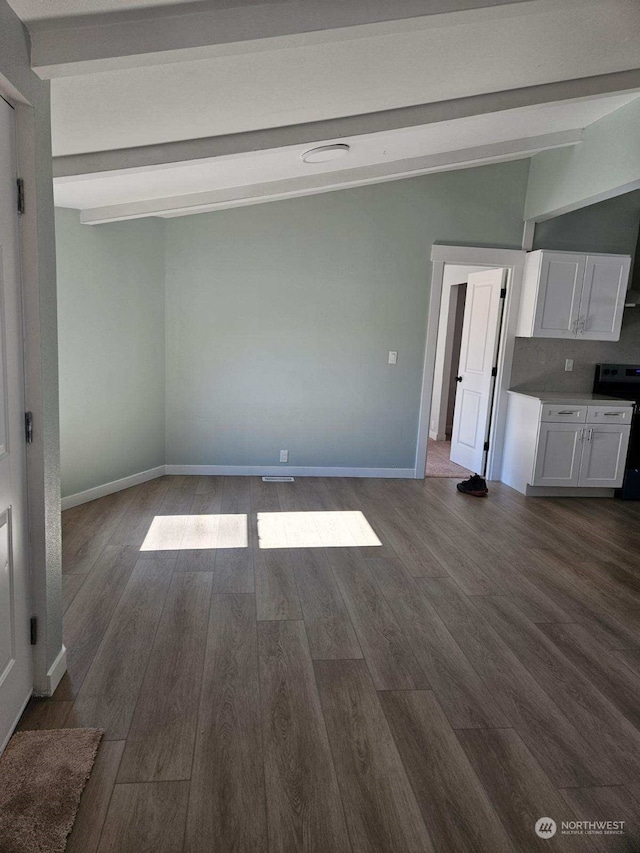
439	464
42	775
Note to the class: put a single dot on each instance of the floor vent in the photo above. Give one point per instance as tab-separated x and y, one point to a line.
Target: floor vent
278	480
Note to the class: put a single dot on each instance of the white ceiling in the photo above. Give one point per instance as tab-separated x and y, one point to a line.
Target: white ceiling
35	10
271	88
285	163
161	107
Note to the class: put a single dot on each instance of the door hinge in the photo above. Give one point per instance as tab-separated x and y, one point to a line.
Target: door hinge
28	427
33	630
494	371
503	293
486	445
20	183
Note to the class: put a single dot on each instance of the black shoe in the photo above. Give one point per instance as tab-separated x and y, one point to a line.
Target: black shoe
476	486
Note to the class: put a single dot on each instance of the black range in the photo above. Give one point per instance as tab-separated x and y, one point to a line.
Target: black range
623	380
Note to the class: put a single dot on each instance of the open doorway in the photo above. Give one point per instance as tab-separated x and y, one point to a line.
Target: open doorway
465	369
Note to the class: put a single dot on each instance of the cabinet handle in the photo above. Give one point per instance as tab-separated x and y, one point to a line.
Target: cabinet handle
567	413
612	414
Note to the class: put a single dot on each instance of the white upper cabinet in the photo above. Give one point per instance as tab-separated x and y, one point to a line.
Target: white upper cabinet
571	295
559	281
603	294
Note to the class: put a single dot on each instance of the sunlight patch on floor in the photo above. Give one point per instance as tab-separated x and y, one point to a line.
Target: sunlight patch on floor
342	529
196	532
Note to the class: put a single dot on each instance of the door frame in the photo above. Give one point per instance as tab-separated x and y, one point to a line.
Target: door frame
513	261
29	96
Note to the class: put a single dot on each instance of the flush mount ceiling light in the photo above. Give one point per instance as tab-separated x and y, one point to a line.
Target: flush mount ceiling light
325	153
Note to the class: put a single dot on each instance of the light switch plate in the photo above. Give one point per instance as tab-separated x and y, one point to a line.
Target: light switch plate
393	357
568	365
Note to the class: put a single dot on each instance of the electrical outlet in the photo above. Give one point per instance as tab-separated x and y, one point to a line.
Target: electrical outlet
568	365
284	455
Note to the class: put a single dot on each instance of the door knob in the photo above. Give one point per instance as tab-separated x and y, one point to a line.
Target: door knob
458	378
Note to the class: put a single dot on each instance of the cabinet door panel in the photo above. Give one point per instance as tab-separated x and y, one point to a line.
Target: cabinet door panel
602	302
558	455
604	455
561	278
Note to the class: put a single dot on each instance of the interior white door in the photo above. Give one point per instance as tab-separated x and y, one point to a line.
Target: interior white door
15	651
480	334
603	294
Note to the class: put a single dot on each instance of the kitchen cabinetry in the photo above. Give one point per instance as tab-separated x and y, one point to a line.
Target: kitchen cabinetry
552	443
604	450
573	295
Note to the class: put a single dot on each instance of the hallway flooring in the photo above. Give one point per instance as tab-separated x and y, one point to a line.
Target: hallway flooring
476	670
439	462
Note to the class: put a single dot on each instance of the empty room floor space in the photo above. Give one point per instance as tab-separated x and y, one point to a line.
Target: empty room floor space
350	665
439	462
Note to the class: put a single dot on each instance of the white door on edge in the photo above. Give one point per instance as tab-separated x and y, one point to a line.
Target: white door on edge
478	351
15	650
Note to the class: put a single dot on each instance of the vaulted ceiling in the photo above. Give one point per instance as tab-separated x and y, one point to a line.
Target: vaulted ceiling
165	107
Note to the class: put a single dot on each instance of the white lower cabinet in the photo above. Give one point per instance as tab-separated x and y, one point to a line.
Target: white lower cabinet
604	450
586	455
554	445
558	455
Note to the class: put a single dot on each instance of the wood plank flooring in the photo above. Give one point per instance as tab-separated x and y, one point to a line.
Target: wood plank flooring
477	670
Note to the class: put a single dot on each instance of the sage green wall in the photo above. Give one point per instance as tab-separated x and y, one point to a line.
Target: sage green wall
608	157
280	317
111	344
610	226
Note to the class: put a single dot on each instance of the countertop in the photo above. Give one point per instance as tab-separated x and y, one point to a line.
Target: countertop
573	399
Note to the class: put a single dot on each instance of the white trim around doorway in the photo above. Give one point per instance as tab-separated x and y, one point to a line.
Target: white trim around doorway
513	261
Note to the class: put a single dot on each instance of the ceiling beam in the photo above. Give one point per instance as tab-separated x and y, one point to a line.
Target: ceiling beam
309	185
75	45
124	159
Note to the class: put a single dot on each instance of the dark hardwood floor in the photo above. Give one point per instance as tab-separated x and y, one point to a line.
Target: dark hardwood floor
440	691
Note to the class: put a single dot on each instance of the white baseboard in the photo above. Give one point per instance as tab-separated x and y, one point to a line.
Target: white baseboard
230	471
567	492
110	488
56	671
287	470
